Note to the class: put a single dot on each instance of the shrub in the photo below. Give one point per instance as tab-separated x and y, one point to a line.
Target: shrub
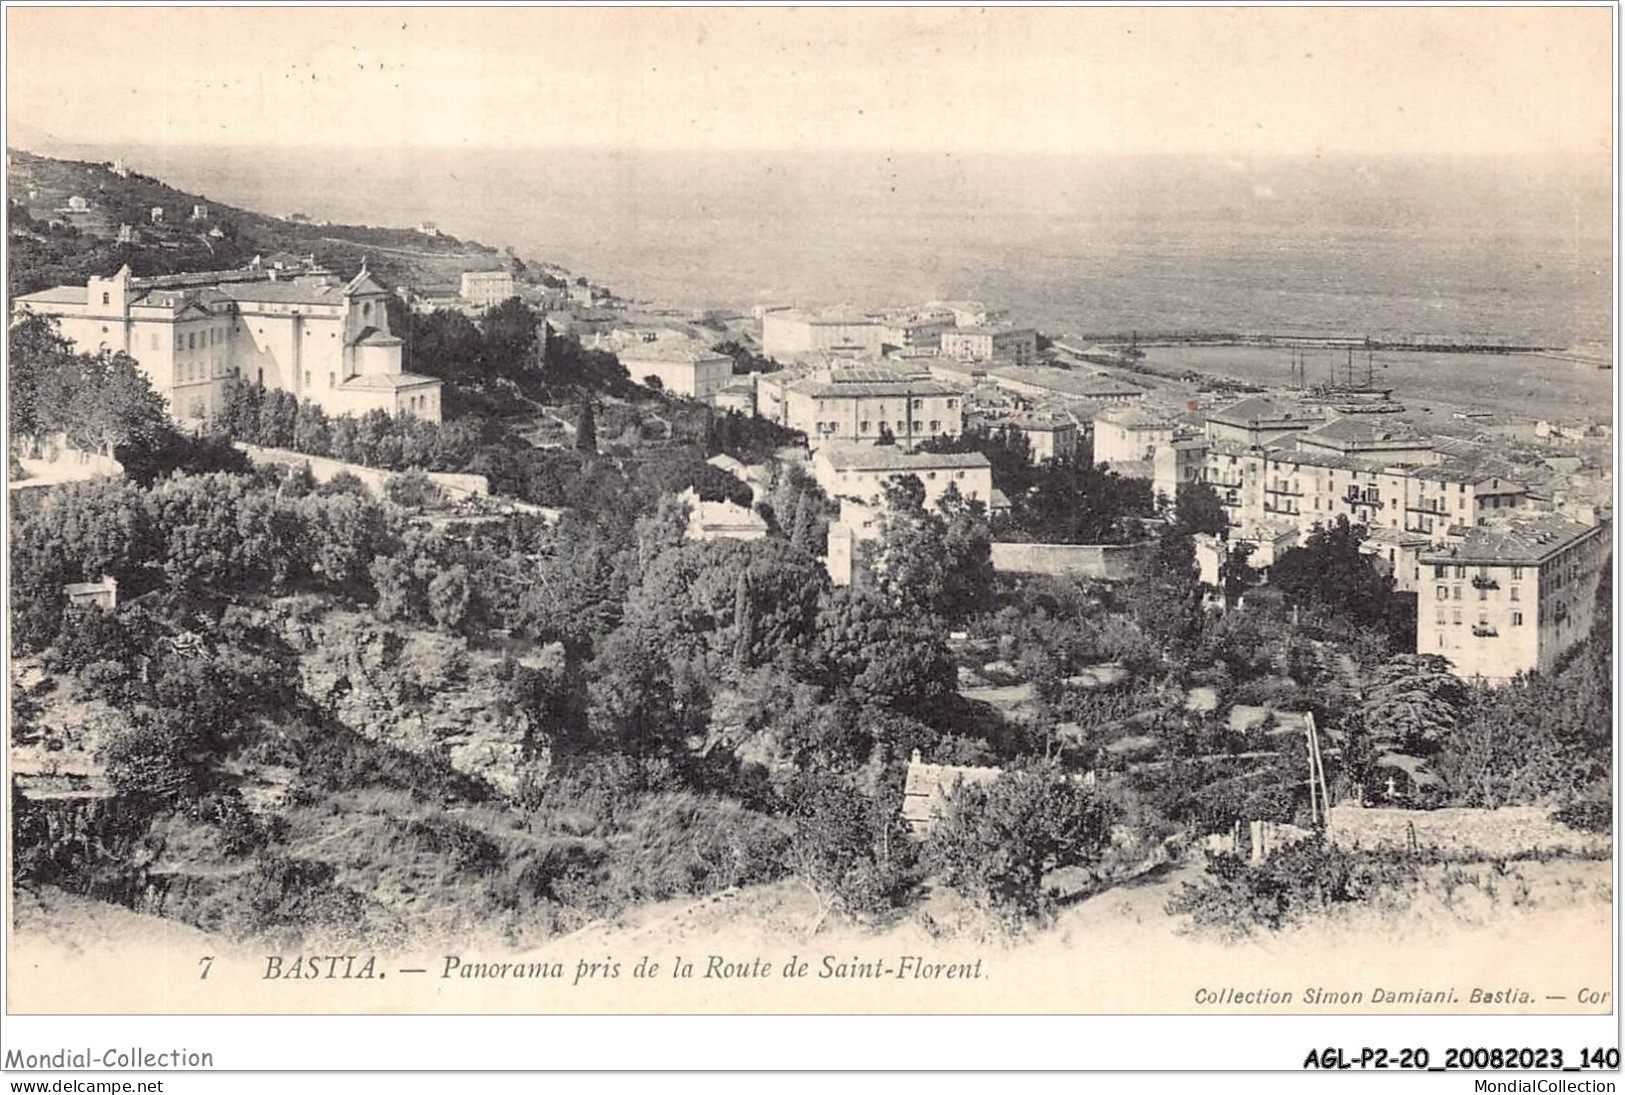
998	840
1304	878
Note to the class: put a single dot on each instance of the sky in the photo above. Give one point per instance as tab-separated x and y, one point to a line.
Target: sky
1254	81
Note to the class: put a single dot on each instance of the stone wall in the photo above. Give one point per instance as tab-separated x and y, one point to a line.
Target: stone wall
1113	562
1509	831
323	468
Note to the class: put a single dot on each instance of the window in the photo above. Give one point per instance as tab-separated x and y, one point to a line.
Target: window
935	425
1517	573
307	378
1461	572
191	341
153	343
107	298
332	380
1439	571
1441	617
1517	619
1483	594
1512	594
863	427
1455	615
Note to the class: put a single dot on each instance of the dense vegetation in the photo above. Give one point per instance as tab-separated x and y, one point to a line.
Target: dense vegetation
695	715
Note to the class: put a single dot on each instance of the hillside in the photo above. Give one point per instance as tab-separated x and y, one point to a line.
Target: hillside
54	243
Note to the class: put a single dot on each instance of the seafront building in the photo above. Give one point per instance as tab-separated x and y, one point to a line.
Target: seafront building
194	335
1007	345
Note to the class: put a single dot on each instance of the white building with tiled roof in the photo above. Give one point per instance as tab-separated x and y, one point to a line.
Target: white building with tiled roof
861	472
1131	434
1511	596
686	370
194	335
832	411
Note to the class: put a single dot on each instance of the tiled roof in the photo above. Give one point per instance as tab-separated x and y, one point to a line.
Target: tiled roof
1258	410
1361	431
669	353
1137	418
1308	458
383	382
284	292
1066	382
1514	540
891	458
825	389
61	294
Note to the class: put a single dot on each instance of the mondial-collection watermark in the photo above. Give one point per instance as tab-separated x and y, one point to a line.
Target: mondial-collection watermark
64	1060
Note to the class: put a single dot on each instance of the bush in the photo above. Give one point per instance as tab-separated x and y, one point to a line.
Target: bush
413	490
1304	878
998	840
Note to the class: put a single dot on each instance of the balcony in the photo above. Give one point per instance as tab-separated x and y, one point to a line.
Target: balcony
1485	631
1483	581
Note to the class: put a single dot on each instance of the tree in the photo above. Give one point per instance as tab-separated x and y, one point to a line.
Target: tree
1330	570
997	840
852	853
886	655
1414	701
450	597
1167	596
1236	574
1006	448
510	331
586	429
940	560
1197	508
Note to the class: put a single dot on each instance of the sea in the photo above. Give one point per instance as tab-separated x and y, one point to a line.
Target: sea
1485	249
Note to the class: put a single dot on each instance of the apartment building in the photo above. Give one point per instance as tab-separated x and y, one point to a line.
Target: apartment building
1130	434
485	289
1009	345
1511	596
831	411
1259	421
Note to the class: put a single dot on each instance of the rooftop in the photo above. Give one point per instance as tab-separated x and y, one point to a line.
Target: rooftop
383	382
1259	410
1360	431
674	353
1136	418
891	458
1527	540
1066	382
61	294
858	389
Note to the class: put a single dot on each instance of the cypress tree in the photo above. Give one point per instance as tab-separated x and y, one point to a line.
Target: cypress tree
586	429
743	621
